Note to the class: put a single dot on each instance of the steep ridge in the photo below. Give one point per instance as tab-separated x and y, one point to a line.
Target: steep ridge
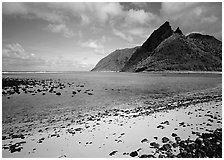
196	52
148	46
115	61
166	49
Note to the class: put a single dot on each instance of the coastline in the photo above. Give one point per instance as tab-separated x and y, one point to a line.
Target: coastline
117	126
168	71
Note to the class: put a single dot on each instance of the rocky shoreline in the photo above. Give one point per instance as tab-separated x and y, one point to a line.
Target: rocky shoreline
204	140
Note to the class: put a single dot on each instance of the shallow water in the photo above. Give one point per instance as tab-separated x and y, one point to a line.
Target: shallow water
109	89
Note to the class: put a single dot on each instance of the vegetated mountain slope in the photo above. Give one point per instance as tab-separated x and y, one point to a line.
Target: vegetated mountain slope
163	32
167	50
195	52
115	61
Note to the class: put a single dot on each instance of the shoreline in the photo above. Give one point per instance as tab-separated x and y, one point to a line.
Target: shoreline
112	122
165	71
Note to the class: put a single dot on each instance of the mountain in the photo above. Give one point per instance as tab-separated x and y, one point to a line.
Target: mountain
166	49
148	46
195	52
115	61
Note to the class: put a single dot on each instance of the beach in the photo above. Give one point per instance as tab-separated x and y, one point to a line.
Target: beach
106	115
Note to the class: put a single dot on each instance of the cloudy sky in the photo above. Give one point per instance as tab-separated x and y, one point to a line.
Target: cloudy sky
75	36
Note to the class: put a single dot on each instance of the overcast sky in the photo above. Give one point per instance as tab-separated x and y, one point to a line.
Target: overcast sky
75	36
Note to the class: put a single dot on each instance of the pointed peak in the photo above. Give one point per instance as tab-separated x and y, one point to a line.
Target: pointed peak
178	31
164	27
166	24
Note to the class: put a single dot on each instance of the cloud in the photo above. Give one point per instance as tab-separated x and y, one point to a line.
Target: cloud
32	10
14	57
194	16
83	13
140	32
13	8
211	19
61	28
61	63
189	14
91	44
16	51
138	16
96	45
122	35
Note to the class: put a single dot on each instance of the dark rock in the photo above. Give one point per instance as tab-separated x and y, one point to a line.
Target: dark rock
73	92
154	144
175	145
182	144
62	156
177	139
166	147
113	153
51	90
15	148
206	135
134	154
165	139
160	126
147	156
178	31
54	135
41	140
165	122
58	93
18	136
199	141
144	140
78	129
181	123
4	137
161	156
174	135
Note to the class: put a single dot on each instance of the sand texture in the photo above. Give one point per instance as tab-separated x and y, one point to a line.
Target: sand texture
179	124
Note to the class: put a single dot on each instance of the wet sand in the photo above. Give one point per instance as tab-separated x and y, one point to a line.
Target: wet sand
160	126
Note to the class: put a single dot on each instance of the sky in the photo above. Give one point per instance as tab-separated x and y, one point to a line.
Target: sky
40	36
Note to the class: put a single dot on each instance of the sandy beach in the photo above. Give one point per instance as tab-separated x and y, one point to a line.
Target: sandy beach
183	124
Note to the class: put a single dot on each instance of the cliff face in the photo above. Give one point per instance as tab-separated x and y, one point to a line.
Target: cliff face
167	50
115	61
148	46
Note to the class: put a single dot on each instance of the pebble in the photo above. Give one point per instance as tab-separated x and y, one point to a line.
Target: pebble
165	139
174	135
113	153
154	144
144	140
160	126
134	154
